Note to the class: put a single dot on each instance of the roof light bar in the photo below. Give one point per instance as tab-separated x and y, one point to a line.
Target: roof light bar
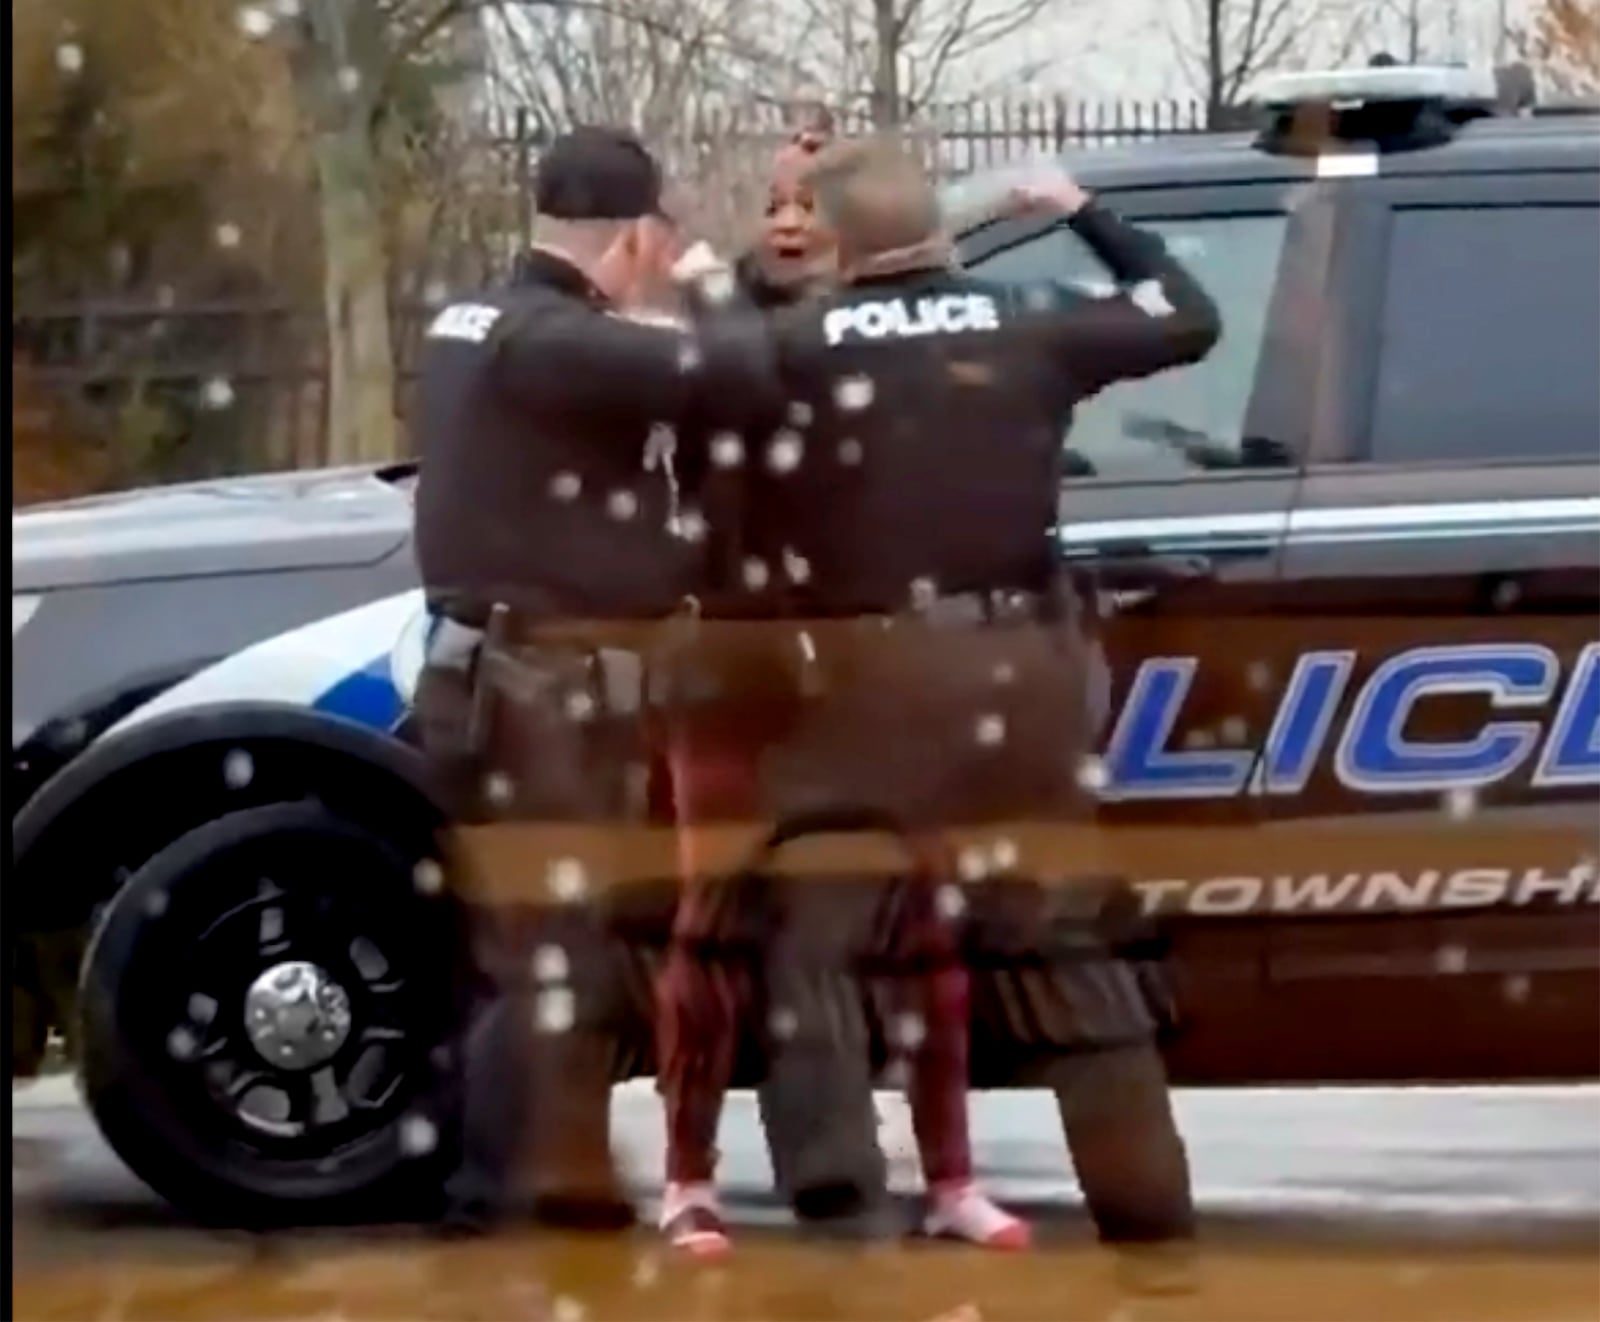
1365	86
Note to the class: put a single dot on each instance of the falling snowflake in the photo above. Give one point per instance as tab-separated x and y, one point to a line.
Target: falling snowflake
1092	774
418	1136
428	876
755	573
567	879
435	293
566	486
550	964
1199	739
580	706
689	357
691	526
287	8
783	1024
851	453
800	413
499	790
1005	673
228	235
254	21
349	80
1461	804
785	452
1005	854
1518	987
217	394
1258	675
181	1043
910	1031
854	393
155	903
556	1010
1451	959
622	505
796	566
1039	298
69	57
1235	730
924	592
646	1271
238	769
973	864
1506	594
727	450
718	286
990	730
950	902
567	1309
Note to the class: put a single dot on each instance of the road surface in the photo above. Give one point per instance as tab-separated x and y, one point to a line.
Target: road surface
1418	1204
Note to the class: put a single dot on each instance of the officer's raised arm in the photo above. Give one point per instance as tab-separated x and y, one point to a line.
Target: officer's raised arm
561	360
1162	317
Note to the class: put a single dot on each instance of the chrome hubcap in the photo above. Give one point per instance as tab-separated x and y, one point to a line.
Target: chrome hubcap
297	1015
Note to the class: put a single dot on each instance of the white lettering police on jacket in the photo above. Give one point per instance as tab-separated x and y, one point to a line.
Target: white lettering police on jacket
900	318
471	322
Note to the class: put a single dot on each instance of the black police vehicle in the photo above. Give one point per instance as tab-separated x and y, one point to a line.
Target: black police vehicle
1350	567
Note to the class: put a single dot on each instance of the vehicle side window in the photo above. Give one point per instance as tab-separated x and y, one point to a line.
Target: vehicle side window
1491	320
1141	429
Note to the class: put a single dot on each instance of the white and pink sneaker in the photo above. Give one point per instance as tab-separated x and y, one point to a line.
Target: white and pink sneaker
964	1212
692	1221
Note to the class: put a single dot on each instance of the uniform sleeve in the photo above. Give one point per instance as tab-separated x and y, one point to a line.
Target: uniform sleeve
1161	319
571	361
566	359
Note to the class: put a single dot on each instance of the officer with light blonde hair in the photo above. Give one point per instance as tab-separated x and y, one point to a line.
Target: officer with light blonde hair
905	529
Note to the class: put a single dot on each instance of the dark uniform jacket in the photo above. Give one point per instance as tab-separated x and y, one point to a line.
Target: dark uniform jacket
541	484
928	444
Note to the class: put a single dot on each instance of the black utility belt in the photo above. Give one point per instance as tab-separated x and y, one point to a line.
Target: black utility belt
461	632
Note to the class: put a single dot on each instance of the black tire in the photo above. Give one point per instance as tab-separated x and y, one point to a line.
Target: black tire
165	1109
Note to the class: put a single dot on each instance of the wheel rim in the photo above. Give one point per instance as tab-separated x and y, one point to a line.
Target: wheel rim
299	1020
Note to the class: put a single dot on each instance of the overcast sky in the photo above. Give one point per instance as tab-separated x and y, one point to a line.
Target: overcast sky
1096	50
1112	48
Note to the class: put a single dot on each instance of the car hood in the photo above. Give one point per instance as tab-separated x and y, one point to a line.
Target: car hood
327	518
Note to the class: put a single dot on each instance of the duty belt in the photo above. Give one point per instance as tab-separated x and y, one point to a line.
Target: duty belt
453	643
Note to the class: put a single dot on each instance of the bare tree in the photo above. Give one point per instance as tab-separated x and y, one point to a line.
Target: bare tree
699	79
1563	41
1224	45
652	64
898	57
356	63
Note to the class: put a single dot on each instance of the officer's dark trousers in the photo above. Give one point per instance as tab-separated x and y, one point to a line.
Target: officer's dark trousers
527	733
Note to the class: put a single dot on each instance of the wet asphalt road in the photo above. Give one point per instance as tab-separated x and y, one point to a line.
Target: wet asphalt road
1329	1203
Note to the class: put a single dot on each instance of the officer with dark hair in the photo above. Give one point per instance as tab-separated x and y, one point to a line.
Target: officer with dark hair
554	544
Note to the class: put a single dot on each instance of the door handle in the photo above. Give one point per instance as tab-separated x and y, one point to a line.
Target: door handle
1129	568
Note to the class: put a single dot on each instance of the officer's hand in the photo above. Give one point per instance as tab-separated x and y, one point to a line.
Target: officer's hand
1051	191
700	266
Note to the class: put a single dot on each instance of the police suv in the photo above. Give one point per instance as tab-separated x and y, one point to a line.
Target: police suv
1350	567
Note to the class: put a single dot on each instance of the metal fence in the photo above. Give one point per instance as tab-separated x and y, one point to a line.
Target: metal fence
242	385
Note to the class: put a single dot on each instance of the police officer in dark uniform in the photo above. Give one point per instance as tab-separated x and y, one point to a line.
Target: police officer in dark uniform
553	540
905	529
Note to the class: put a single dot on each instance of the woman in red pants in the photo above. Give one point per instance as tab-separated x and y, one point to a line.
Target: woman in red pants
705	999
